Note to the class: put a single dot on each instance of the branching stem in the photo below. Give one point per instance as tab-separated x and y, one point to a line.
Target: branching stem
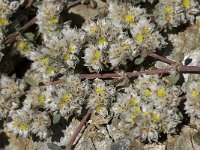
162	58
78	129
181	68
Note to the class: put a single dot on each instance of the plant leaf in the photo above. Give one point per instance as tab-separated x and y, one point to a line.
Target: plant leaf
173	79
56	118
30	36
29	81
139	60
53	146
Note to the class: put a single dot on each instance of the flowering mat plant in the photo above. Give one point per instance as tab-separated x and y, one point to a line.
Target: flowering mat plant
92	74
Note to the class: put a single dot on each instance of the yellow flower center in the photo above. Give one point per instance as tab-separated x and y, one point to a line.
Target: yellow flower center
139	37
167	9
65	97
53	19
23	127
49	70
155	117
146	113
70	47
45	60
96	56
66	56
101	41
185	3
100	90
151	80
132	117
137	110
22	45
128	18
99	108
133	101
3	21
160	92
41	99
194	93
147	92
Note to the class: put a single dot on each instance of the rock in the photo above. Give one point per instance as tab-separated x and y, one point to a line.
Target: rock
183	143
87	12
171	140
114	132
103	143
188	140
196	141
85	144
83	10
155	147
121	144
20	143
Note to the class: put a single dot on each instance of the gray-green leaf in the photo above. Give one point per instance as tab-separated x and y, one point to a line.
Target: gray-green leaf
173	79
30	36
139	60
29	81
56	118
53	146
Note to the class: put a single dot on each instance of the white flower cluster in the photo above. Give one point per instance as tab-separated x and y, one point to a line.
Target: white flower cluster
61	47
10	92
48	18
101	97
192	86
192	104
171	13
65	98
148	107
61	50
101	35
25	122
109	39
186	50
7	8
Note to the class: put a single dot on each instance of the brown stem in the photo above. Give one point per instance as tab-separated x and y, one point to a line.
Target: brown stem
13	37
28	24
162	58
116	81
189	69
29	4
77	131
102	76
118	78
